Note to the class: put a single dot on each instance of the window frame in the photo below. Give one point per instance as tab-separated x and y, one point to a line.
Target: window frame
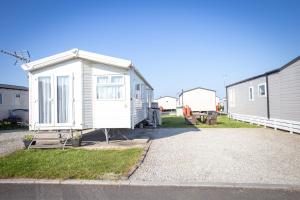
252	91
258	90
1	99
109	83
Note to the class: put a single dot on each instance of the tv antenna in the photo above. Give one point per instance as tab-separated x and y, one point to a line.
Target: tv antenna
20	56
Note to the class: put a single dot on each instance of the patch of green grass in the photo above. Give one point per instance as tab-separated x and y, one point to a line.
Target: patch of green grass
69	164
172	121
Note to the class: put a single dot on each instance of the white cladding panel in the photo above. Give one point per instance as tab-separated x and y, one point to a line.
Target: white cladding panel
111	113
142	96
87	94
167	103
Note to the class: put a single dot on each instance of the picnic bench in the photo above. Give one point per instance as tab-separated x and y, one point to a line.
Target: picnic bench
209	118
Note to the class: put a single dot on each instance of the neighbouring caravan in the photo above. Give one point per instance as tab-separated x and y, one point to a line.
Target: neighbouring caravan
224	104
14	102
80	90
198	99
167	103
271	99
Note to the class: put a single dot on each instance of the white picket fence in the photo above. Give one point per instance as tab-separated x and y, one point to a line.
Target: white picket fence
287	125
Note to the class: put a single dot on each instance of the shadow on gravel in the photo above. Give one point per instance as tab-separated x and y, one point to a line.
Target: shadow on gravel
124	134
159	133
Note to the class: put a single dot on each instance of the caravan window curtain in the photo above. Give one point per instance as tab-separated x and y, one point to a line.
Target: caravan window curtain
62	99
110	87
44	90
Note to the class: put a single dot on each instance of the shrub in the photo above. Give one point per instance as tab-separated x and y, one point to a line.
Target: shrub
28	137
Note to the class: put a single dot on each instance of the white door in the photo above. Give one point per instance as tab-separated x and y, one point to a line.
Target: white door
55	101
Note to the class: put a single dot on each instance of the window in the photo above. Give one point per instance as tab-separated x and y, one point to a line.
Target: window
110	87
143	93
251	93
262	90
149	97
138	91
102	80
18	99
1	98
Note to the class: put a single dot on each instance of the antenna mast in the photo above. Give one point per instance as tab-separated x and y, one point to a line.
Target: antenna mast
21	56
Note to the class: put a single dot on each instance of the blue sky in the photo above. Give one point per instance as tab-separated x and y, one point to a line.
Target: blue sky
175	44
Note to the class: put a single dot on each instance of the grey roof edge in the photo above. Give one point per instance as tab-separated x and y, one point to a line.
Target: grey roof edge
165	96
196	89
13	87
266	73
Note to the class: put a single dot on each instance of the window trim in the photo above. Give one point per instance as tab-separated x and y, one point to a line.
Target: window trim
111	84
251	87
258	91
1	99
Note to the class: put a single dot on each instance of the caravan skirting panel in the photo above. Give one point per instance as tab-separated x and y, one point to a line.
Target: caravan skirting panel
287	125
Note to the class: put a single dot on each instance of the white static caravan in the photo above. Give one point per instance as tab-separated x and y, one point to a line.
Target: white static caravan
198	99
167	103
79	90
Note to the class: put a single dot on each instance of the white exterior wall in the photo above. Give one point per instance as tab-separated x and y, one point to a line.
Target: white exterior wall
111	113
141	100
73	69
87	94
167	103
199	99
9	103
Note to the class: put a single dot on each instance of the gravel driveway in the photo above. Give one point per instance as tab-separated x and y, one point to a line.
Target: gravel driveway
255	155
11	140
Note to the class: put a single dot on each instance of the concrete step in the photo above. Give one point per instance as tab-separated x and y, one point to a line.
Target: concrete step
47	135
47	142
46	146
48	138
